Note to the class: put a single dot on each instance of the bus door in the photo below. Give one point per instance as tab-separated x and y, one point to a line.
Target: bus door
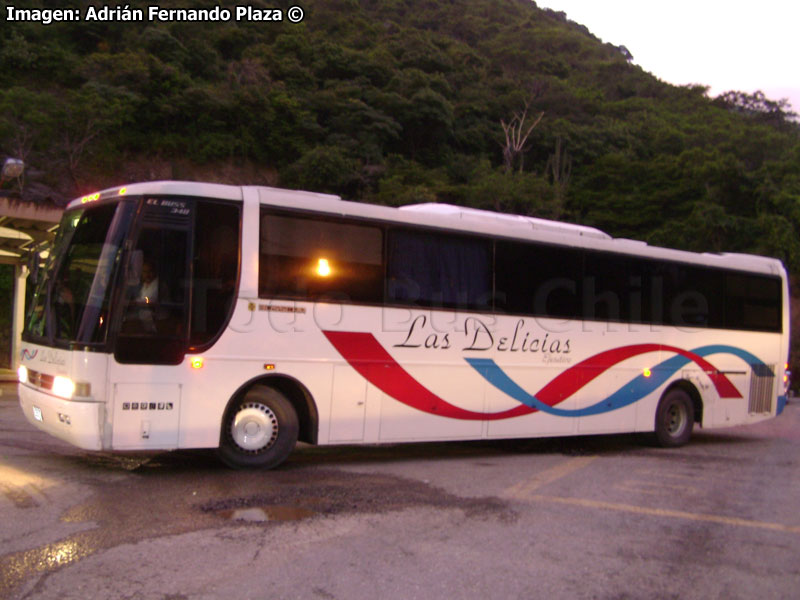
152	325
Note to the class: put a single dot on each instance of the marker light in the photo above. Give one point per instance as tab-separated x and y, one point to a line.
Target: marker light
90	198
197	362
22	374
323	267
63	386
647	372
122	191
269	366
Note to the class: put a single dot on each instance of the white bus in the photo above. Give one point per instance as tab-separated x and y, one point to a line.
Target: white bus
190	315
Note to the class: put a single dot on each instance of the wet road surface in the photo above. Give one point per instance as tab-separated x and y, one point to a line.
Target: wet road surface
590	517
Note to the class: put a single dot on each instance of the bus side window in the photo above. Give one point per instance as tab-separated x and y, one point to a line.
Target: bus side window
152	303
537	279
753	302
153	328
447	271
216	270
318	259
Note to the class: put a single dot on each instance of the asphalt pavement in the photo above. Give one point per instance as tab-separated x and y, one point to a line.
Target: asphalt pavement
605	517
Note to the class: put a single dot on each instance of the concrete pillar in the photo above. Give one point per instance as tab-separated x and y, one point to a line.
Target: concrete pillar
18	315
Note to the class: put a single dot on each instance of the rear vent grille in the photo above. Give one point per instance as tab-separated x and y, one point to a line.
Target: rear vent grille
762	385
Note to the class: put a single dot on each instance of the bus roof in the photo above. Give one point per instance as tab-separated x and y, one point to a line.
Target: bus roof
504	219
445	216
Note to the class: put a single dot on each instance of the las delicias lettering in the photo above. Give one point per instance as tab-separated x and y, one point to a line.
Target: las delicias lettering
477	337
416	337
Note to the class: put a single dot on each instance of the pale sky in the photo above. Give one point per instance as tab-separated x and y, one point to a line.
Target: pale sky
731	45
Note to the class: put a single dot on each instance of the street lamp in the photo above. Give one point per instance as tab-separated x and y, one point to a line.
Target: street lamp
12	168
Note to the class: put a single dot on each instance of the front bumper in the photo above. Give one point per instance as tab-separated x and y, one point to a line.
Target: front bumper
79	423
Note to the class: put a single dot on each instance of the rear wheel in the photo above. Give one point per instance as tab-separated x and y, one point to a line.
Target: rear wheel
674	419
259	430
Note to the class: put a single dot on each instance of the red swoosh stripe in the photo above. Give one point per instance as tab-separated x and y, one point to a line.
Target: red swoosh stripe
577	376
366	355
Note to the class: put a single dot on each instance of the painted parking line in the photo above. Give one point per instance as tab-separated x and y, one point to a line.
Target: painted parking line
655	488
524	490
663	512
527	490
666	474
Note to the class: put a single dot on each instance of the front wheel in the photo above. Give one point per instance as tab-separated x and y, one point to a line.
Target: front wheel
259	430
674	419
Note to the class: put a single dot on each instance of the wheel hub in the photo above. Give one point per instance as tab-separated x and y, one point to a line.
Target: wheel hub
255	427
676	420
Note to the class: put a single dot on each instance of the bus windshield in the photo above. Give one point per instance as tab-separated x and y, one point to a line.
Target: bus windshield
71	300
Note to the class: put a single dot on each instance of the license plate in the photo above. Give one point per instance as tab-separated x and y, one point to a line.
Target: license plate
37	413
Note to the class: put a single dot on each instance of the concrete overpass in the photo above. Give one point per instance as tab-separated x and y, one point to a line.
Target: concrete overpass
25	228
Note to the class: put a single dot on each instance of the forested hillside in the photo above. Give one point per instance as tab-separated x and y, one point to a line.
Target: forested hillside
400	101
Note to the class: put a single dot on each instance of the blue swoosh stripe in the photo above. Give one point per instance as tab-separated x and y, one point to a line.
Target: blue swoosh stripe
631	392
746	356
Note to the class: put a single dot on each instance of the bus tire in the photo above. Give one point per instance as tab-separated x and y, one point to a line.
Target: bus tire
259	430
674	419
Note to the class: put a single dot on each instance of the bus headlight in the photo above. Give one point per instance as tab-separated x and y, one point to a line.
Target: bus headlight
63	386
22	374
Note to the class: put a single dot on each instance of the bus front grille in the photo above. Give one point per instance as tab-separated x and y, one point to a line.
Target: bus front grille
762	384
